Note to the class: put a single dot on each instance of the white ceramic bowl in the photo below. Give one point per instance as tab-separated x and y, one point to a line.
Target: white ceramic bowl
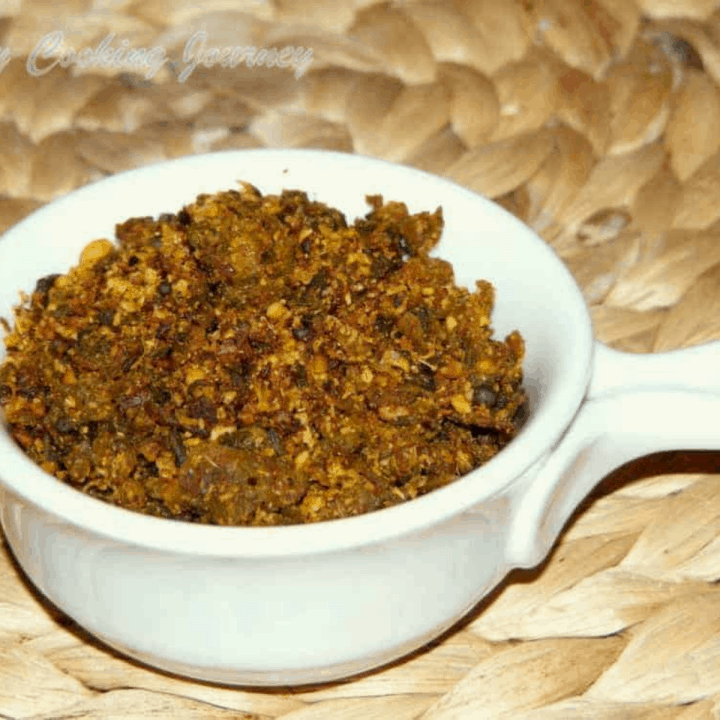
289	605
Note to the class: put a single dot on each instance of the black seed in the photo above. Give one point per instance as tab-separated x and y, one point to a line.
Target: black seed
203	408
165	288
522	413
442	435
106	317
426	377
43	285
151	469
130	361
319	280
5	392
135	399
163	331
382	266
213	326
63	425
384	324
300	375
258	345
161	396
305	331
162	353
184	217
240	374
178	448
305	245
401	242
133	260
275	442
99	492
423	315
91	429
484	395
28	393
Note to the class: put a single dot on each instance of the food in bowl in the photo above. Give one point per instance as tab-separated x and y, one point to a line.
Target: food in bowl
255	360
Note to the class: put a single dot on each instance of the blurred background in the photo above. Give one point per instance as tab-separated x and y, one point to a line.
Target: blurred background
597	122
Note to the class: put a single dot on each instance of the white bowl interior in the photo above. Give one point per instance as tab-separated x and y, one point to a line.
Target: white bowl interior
534	294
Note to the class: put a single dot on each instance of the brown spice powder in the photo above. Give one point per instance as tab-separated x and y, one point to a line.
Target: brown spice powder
255	360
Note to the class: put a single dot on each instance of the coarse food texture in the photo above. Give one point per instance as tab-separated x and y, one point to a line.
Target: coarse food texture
255	360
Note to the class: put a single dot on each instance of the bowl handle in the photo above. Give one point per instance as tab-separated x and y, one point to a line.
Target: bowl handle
636	405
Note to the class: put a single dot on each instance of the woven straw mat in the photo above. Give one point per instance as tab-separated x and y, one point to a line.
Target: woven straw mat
597	122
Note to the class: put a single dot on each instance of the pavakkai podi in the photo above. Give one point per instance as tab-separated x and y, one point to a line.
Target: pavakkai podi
255	360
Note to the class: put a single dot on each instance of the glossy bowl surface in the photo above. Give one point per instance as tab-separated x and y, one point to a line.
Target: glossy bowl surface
304	603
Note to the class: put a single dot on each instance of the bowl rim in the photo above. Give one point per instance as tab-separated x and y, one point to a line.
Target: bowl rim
28	482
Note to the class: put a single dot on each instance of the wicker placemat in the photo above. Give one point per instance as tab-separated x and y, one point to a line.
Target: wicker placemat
595	121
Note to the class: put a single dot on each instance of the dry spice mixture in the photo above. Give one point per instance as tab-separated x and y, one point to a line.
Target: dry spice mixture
255	360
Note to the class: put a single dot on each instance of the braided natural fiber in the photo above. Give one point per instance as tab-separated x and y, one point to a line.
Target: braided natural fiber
595	121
